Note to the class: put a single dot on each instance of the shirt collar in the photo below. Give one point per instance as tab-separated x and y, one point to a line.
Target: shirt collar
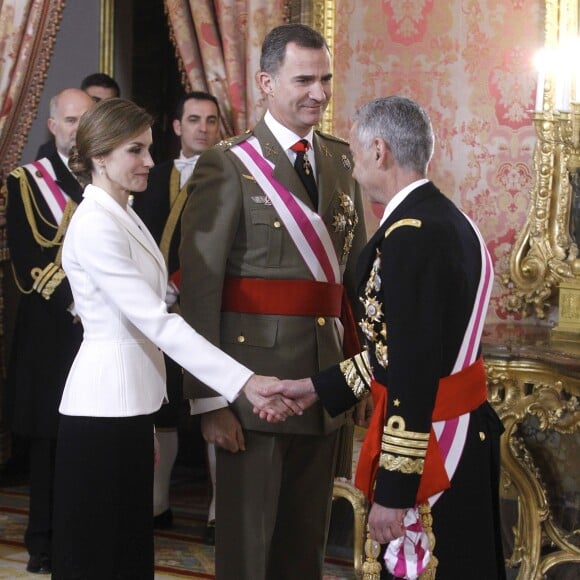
64	160
283	135
193	159
400	196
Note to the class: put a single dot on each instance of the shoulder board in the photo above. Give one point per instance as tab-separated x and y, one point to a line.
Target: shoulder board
330	137
404	222
226	144
18	172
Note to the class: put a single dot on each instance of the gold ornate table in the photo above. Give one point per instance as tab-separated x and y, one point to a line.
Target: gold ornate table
534	385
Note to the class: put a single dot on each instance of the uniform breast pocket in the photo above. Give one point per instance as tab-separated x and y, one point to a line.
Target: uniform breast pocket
267	235
251	339
249	329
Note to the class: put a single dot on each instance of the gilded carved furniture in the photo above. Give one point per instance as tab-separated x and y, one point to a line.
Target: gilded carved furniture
534	385
345	489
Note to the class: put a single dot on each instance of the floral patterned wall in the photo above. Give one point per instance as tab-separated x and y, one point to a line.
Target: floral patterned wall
470	65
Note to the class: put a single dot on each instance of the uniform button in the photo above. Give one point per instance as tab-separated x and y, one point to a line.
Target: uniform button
482	435
241	338
321	321
277	224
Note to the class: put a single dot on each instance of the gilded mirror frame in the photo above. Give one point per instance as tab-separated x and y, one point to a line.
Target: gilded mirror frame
107	37
544	253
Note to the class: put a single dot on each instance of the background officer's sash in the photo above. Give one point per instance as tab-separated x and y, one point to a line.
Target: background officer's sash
43	174
306	228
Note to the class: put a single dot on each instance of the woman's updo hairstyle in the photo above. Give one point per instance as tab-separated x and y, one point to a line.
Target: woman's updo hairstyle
103	128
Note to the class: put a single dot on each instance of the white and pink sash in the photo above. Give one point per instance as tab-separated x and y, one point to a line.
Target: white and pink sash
408	556
305	227
45	178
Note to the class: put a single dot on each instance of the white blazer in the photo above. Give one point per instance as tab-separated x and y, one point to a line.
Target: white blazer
118	279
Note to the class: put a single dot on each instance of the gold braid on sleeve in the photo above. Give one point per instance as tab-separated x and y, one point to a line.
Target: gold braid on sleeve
403	450
356	372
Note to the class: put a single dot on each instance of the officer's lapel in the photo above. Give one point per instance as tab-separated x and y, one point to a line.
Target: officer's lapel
327	172
284	171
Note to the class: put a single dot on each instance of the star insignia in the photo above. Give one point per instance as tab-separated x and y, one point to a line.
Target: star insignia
270	150
373	308
397	403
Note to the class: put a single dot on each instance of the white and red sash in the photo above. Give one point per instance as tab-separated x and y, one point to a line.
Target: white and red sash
408	556
305	227
45	178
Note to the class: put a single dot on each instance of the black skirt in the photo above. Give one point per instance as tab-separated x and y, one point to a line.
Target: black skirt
103	502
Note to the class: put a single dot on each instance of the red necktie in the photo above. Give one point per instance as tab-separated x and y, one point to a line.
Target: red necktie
304	169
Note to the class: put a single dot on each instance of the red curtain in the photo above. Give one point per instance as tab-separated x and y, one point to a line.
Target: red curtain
218	45
27	33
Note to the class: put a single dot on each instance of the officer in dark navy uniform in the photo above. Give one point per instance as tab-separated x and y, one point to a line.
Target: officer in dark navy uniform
41	198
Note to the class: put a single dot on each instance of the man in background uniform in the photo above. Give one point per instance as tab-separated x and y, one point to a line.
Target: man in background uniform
41	197
98	86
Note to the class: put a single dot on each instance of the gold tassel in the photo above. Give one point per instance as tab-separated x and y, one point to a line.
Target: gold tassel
371	567
427	523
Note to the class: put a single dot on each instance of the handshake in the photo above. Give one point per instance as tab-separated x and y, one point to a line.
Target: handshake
275	400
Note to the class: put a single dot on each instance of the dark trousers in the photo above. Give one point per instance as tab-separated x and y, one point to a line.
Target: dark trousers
273	507
38	535
103	524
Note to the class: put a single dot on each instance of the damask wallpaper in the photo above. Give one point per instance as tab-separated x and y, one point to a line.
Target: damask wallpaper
469	64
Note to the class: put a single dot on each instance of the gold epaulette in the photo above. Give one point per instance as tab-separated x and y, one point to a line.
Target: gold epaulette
357	374
332	137
46	281
228	143
404	222
33	213
403	450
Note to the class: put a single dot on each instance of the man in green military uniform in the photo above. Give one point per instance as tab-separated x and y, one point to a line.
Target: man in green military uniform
267	257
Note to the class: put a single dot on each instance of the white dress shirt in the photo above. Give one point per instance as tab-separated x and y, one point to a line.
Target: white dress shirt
185	166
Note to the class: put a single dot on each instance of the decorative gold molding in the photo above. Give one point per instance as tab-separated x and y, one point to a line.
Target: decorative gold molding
544	252
323	20
107	38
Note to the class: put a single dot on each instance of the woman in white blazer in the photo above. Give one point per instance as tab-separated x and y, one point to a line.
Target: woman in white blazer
105	450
